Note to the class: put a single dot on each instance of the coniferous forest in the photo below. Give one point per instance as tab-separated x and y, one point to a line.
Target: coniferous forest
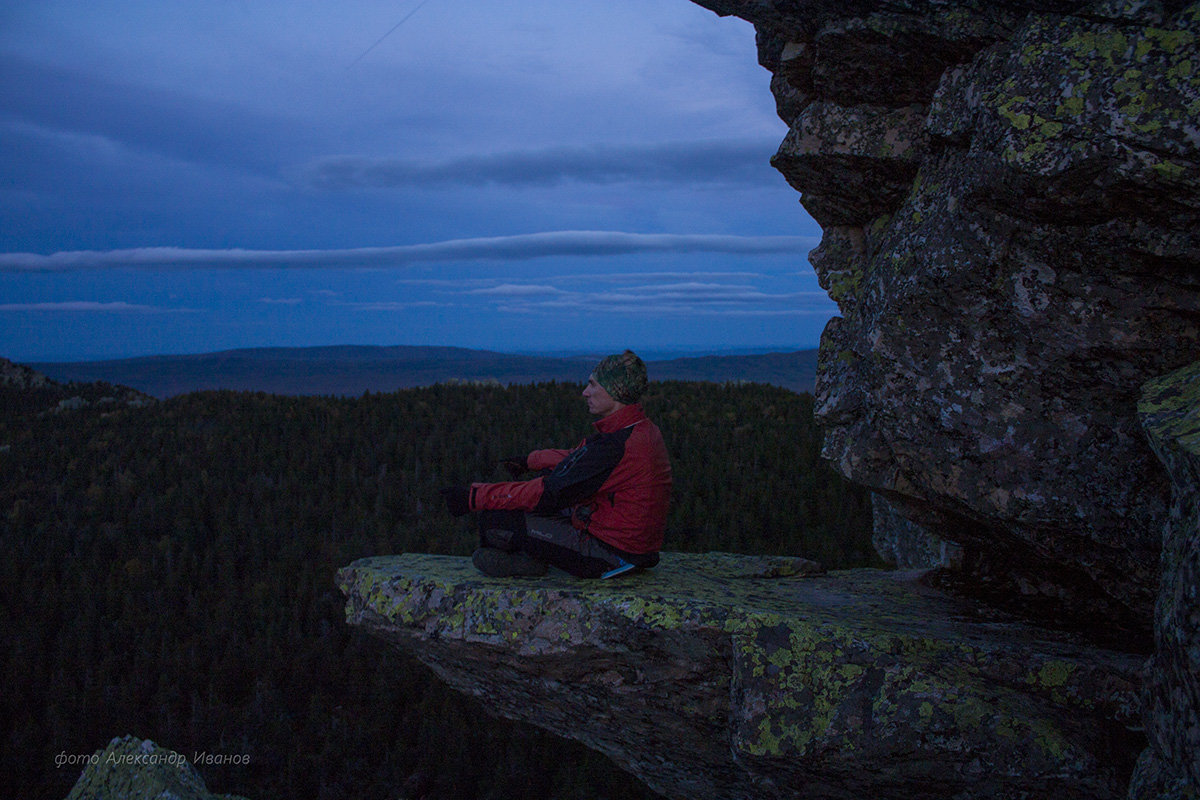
168	572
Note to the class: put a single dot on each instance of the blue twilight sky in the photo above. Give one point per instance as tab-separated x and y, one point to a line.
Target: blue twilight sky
191	176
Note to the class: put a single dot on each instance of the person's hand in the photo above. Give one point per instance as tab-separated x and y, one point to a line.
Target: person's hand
516	466
458	499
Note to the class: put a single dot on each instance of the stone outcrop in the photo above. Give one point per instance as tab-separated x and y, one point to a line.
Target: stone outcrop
719	676
24	390
1170	767
19	376
1010	198
138	769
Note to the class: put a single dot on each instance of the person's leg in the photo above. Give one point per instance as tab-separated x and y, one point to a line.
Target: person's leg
498	554
498	563
514	543
557	542
496	528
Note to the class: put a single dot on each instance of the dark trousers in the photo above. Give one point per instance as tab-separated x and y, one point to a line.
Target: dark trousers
555	541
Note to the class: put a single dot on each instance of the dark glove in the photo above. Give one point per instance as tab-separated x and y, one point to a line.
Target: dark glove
458	499
516	466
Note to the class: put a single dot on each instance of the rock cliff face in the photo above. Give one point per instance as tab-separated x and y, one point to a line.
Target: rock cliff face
726	677
1010	198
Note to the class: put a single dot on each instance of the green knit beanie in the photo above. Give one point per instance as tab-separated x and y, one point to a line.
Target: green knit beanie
622	376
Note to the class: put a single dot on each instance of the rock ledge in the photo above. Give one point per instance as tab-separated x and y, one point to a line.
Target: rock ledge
722	676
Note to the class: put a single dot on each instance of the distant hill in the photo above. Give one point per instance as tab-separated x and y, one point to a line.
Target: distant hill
351	370
26	392
796	370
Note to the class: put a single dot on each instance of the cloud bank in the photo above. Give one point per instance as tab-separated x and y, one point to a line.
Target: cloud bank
90	306
686	298
688	163
503	248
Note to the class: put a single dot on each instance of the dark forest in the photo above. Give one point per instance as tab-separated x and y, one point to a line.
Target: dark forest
168	572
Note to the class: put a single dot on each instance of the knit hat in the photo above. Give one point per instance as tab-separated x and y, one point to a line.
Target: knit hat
622	376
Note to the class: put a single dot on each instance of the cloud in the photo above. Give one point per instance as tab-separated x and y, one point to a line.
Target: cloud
642	299
689	163
625	277
386	305
91	306
503	248
518	290
88	109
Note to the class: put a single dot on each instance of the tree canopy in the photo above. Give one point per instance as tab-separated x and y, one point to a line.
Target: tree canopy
168	572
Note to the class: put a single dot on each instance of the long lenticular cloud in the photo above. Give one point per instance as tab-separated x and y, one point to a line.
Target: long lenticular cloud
685	163
501	248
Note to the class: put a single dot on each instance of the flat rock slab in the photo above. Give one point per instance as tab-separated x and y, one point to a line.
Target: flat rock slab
728	676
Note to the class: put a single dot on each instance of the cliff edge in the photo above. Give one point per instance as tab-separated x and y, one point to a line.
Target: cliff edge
1010	199
720	676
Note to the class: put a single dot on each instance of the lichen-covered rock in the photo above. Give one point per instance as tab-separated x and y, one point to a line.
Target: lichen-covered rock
1010	198
1170	767
720	676
138	769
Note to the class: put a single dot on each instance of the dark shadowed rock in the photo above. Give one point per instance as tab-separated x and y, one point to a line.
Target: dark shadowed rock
1170	767
906	545
719	676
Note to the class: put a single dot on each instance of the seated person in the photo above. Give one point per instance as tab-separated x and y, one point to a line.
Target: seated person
594	511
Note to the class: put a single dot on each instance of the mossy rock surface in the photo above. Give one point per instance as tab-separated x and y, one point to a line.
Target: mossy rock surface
718	675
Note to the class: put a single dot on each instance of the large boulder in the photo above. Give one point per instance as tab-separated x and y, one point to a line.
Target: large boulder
1010	198
719	676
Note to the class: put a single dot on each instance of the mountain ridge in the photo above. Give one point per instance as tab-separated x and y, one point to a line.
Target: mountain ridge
353	369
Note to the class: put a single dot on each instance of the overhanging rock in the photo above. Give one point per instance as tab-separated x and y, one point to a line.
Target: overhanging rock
721	676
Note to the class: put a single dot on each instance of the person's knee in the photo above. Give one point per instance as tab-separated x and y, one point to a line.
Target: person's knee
500	539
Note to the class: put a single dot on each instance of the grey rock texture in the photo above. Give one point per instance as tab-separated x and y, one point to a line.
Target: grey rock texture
1170	767
906	545
1010	198
720	676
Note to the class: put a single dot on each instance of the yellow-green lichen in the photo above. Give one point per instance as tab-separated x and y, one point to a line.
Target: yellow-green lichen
1072	106
1017	119
1053	674
1170	408
845	283
1171	40
814	661
1105	45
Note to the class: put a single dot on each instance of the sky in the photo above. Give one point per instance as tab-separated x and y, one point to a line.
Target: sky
535	176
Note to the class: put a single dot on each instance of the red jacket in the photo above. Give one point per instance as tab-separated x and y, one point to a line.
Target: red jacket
616	483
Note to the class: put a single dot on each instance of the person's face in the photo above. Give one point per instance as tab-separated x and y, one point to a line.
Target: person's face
599	401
